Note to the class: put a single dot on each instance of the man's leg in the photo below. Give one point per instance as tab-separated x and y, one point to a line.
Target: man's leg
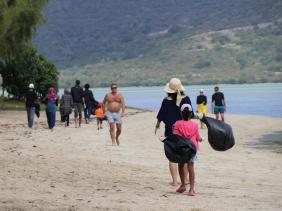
80	107
222	116
118	133
28	111
112	133
85	115
75	114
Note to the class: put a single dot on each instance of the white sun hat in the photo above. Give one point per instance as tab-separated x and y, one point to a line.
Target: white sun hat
174	86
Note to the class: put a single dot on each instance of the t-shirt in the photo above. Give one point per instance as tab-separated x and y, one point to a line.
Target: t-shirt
99	113
31	97
77	94
217	98
202	99
188	130
169	113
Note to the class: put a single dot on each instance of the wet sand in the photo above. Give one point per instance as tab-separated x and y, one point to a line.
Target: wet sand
79	169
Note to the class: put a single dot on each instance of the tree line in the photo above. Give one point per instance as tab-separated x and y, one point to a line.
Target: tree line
20	64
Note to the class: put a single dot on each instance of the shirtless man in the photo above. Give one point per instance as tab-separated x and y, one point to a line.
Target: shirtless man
114	102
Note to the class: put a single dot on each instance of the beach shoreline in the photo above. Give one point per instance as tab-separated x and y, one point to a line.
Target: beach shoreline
78	169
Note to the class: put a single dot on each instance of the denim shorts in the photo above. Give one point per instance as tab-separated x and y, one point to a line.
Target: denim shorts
218	109
114	117
193	159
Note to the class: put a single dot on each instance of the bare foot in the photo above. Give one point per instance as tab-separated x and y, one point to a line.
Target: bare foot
181	189
191	193
117	142
173	183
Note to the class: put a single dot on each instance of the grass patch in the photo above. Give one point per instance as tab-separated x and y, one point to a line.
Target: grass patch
11	104
15	105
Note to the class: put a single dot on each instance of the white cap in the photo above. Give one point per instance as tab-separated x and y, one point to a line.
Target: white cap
186	106
31	86
202	90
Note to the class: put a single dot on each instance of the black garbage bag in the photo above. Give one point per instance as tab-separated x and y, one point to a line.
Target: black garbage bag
37	110
178	149
220	134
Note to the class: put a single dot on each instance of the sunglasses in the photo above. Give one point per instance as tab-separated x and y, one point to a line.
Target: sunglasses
114	87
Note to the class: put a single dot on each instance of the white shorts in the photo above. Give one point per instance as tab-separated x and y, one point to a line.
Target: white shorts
114	117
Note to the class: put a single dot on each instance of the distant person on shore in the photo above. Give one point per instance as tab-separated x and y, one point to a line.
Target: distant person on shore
66	106
114	108
89	101
51	102
30	104
78	102
169	113
218	105
190	131
202	105
100	116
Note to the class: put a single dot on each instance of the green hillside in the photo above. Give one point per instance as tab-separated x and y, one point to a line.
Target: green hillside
241	55
146	42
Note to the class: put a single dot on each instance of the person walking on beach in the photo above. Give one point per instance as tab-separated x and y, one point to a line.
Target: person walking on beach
190	131
78	102
30	104
114	106
100	116
66	106
202	105
169	113
218	105
89	101
51	102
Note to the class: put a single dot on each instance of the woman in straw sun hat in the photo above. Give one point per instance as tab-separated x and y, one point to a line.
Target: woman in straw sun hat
169	113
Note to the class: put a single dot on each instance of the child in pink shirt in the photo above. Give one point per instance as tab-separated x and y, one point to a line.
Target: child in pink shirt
190	131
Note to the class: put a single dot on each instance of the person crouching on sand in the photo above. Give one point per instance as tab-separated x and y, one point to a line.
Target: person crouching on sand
190	131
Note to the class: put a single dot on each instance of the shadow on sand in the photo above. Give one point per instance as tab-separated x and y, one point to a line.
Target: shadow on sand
271	142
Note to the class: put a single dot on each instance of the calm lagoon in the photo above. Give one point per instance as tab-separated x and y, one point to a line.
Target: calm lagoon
255	99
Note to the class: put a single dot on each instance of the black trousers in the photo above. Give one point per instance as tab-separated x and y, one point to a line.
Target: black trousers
66	118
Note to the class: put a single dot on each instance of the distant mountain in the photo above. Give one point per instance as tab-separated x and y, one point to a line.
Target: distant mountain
136	37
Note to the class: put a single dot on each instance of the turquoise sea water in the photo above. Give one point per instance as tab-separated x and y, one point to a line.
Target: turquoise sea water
254	99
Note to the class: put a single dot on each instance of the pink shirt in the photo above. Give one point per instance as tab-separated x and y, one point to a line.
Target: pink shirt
188	130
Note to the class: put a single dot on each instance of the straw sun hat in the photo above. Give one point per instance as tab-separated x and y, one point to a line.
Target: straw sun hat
174	86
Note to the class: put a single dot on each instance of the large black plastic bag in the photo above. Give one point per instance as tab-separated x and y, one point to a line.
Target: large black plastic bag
178	149
220	134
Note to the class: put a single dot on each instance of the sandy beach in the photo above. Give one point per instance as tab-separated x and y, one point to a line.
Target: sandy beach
79	169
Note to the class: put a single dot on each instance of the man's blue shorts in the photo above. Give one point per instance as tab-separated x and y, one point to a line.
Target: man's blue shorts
218	109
